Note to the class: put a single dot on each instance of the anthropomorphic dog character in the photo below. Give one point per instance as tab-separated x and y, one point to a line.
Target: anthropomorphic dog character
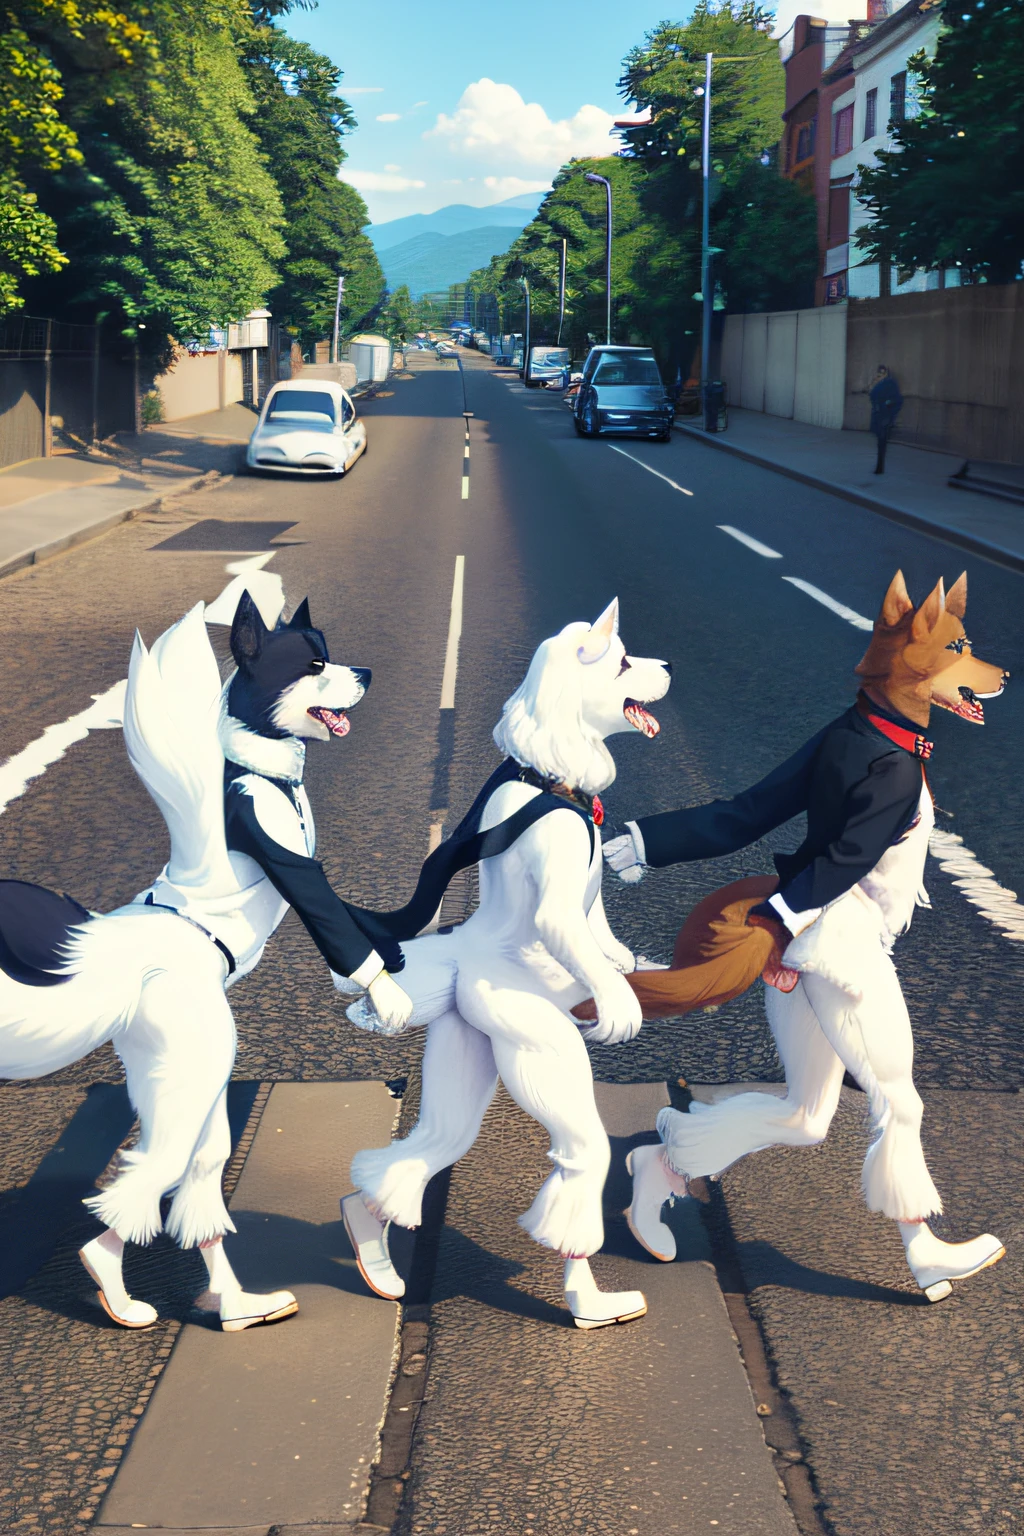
496	993
834	1001
225	768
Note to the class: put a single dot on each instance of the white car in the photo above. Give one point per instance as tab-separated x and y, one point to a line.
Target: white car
309	426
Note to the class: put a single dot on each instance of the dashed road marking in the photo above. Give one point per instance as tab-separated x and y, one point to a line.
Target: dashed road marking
674	484
754	544
451	655
856	619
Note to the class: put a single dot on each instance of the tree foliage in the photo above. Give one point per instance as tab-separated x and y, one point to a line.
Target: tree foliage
767	228
398	314
300	121
952	188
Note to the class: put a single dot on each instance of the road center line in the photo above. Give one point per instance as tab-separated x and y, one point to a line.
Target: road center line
754	544
451	655
649	470
856	619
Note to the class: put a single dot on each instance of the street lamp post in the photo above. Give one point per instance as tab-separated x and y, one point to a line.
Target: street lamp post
526	338
706	292
592	176
561	294
337	318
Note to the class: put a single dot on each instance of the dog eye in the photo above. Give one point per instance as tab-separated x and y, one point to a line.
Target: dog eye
317	665
625	666
958	644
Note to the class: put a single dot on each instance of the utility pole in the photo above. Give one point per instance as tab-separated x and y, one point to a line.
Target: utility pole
592	176
337	318
707	293
561	294
526	338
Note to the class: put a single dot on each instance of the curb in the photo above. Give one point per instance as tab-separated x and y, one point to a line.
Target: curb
40	552
965	541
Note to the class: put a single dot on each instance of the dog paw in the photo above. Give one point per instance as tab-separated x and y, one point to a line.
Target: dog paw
622	958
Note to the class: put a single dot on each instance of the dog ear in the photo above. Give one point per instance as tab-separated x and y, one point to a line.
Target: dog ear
896	601
248	633
596	642
956	597
929	613
300	619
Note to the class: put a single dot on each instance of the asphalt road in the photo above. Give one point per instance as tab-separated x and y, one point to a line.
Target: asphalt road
911	1417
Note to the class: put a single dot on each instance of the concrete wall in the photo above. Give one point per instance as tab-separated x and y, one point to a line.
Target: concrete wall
958	357
205	382
790	364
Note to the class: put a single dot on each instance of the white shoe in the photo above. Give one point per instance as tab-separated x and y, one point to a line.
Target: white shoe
239	1309
592	1308
934	1264
104	1268
369	1239
653	1184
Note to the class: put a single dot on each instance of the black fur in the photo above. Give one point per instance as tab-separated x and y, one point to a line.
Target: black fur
269	661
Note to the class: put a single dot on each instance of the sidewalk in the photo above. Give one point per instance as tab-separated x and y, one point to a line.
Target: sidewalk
913	491
49	505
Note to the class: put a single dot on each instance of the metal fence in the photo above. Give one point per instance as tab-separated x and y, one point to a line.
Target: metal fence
62	384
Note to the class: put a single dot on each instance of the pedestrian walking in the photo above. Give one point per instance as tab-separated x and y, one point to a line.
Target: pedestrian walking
886	403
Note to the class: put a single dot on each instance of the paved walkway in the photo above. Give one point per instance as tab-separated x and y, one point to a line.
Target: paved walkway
914	489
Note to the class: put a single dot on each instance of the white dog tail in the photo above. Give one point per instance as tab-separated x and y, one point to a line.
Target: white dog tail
171	712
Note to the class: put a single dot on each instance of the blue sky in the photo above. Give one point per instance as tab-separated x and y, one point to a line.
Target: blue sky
472	101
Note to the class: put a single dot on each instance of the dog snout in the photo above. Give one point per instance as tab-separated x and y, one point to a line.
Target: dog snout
363	677
668	667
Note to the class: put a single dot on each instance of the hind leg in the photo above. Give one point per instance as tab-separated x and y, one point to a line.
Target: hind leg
459	1079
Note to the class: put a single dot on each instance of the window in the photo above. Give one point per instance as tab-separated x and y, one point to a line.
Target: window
842	131
301	405
871	114
805	140
839	212
898	98
627	368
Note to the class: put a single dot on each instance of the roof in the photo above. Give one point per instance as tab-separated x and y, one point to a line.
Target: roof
909	12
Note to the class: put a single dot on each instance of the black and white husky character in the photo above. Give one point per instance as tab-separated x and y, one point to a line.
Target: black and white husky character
224	765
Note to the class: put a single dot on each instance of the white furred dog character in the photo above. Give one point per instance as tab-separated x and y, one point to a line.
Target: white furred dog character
496	993
150	977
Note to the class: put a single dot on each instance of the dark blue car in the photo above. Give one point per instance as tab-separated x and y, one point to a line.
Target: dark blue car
622	391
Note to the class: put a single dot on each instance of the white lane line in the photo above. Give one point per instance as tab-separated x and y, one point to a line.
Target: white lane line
451	655
105	713
744	538
978	884
856	619
649	470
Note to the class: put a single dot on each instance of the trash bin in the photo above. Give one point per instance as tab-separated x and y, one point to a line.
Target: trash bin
715	406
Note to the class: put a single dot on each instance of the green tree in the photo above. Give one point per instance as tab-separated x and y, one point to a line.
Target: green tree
35	139
397	317
172	218
952	190
300	121
768	230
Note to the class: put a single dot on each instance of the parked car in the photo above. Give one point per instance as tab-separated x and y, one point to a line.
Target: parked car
309	426
547	364
622	391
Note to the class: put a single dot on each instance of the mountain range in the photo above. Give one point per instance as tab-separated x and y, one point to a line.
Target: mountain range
429	251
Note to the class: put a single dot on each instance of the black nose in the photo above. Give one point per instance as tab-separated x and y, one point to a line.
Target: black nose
363	677
668	667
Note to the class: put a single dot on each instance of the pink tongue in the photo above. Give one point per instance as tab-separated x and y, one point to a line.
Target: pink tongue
337	723
640	719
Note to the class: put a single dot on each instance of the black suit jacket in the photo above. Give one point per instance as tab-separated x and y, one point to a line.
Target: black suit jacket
860	792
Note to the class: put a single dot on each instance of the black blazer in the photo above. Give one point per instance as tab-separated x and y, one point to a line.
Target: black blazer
859	789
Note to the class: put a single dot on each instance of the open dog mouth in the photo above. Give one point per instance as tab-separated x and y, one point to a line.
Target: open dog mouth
335	720
967	707
640	718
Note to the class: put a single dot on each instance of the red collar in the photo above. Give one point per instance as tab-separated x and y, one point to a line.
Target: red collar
911	741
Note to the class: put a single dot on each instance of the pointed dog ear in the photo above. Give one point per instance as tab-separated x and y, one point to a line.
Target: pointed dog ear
956	597
248	633
300	619
896	601
599	636
929	613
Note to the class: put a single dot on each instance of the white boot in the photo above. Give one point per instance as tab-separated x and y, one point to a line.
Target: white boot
369	1239
592	1308
237	1308
653	1184
934	1263
102	1258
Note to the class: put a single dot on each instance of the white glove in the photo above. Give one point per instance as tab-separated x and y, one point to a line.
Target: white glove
625	855
392	1005
619	1015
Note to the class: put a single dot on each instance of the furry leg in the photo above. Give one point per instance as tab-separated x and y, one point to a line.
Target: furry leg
102	1259
238	1309
198	1212
544	1064
459	1079
711	1137
874	1040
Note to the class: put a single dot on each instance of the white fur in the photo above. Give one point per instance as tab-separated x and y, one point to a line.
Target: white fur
335	687
496	993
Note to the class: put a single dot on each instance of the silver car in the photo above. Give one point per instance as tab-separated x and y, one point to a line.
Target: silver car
310	426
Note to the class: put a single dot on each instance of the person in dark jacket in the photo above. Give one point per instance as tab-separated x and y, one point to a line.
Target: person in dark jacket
886	404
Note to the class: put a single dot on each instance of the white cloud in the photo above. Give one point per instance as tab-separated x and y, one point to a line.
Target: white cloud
492	121
380	181
388	117
392	167
421	104
835	12
513	186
